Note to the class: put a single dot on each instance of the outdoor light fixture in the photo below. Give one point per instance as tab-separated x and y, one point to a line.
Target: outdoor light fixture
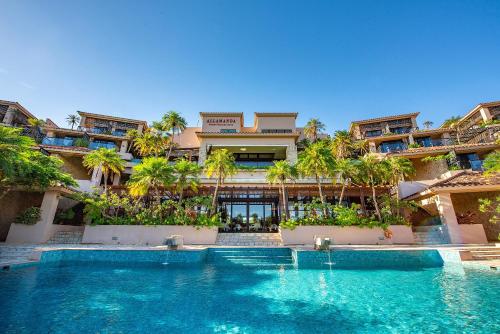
243	149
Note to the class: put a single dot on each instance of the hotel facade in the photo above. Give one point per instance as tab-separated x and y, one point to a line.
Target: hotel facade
447	190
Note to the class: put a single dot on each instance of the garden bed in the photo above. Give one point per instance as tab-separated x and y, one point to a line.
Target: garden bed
348	235
147	234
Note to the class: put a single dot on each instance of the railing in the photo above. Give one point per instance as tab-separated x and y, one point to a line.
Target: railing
475	165
97	145
435	142
58	141
254	164
392	148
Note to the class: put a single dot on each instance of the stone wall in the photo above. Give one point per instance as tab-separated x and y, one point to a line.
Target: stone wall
469	202
12	205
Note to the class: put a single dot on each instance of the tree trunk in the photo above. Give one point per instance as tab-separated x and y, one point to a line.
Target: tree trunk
106	183
397	198
181	193
169	152
342	192
377	210
213	209
322	199
285	201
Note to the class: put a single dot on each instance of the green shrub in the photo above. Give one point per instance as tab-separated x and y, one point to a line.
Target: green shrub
30	216
81	142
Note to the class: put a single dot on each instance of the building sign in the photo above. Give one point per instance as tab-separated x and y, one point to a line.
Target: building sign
221	121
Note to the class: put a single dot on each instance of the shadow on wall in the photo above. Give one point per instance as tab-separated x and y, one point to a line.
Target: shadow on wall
14	203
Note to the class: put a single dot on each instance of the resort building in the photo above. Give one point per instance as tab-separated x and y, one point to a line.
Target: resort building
248	203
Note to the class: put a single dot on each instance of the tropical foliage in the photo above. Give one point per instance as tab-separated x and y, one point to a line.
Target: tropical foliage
72	120
312	129
107	160
187	174
30	216
281	173
22	165
219	165
152	173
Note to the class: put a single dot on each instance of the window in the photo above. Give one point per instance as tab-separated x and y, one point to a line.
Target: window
373	133
227	130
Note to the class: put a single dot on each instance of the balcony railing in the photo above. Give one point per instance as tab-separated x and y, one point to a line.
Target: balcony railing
254	164
434	142
475	165
97	145
58	141
392	148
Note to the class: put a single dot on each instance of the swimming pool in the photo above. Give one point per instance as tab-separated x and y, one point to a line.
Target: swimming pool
259	292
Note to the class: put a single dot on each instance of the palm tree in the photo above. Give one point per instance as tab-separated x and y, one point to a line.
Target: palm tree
107	160
72	120
317	161
428	124
373	172
345	169
400	168
151	173
450	121
173	122
36	124
219	164
281	173
132	134
187	173
150	143
313	127
361	146
342	144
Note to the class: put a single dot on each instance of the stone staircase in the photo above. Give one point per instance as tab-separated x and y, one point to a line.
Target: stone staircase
66	237
430	235
249	239
10	255
485	254
251	257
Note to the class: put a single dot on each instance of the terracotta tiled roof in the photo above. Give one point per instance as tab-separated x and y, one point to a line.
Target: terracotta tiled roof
378	119
467	179
66	148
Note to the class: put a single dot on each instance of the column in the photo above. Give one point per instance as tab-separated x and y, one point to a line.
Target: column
448	217
9	115
116	179
372	147
202	154
291	153
485	114
410	139
124	146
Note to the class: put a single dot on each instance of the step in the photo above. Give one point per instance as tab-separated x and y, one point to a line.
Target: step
66	237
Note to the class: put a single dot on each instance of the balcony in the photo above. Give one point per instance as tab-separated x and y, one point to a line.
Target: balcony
254	164
96	145
392	148
58	141
475	165
427	142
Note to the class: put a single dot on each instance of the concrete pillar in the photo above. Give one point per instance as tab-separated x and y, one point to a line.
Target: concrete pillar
116	179
449	217
386	127
124	146
372	147
485	114
82	121
414	123
291	153
140	128
10	115
202	154
410	139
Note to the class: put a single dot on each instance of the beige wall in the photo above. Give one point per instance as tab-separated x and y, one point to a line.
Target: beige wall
275	122
466	202
428	170
14	203
304	235
151	235
74	166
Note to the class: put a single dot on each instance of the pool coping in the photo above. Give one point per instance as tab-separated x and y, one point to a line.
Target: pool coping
38	249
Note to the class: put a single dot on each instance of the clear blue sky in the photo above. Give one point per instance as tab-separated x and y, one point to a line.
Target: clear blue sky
339	61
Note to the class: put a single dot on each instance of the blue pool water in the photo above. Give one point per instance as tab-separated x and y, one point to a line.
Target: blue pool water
216	296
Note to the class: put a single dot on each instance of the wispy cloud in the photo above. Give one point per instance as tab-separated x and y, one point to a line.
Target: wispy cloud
26	85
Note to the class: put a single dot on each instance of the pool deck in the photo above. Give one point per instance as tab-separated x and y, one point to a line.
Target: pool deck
26	254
